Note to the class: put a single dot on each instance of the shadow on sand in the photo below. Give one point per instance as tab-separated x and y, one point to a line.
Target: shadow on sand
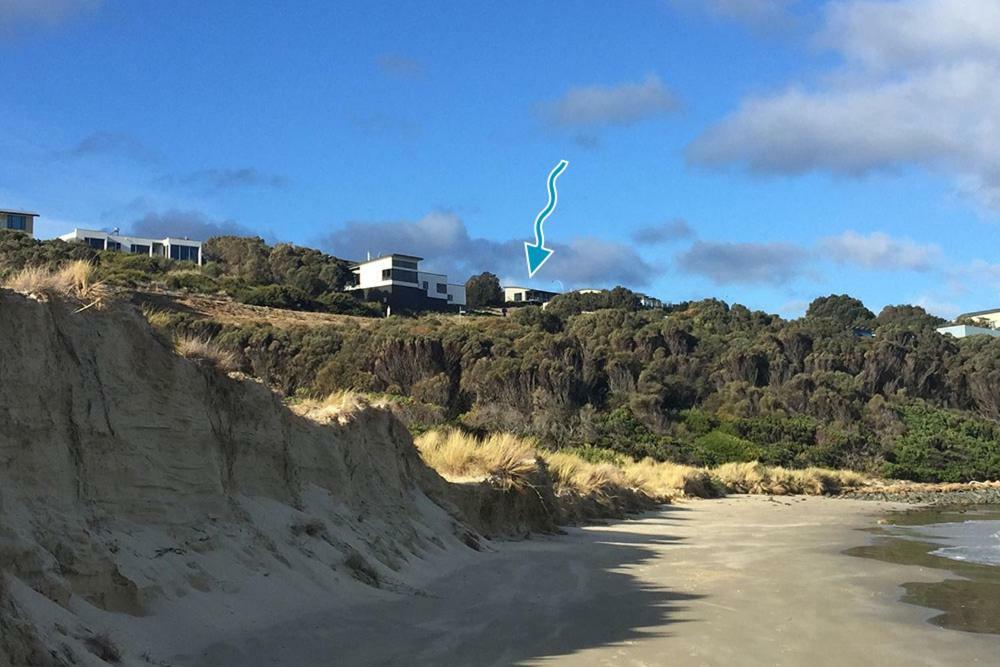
529	600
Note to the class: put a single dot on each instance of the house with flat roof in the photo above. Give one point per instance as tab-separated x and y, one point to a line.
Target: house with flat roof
965	330
169	247
397	281
19	221
987	318
516	294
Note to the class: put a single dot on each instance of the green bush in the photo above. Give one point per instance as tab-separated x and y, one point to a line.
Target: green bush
278	296
191	281
717	447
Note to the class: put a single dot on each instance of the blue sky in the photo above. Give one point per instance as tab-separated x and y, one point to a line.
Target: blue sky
761	151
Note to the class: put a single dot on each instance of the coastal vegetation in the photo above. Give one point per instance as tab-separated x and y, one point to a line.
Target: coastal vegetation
700	384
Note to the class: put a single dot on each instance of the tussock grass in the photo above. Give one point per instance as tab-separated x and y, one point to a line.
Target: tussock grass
672	479
757	478
158	319
74	279
579	476
193	347
507	461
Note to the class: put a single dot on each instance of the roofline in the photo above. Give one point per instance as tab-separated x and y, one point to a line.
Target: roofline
167	239
390	255
529	289
978	313
10	210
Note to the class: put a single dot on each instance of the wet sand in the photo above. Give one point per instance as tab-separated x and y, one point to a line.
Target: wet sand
742	580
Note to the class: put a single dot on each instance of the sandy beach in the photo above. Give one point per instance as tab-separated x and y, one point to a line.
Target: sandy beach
742	580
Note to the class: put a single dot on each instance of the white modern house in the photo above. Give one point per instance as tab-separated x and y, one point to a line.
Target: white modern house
19	221
989	319
397	281
965	330
979	323
169	247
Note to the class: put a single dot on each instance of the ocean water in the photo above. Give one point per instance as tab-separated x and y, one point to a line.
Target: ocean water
969	541
963	543
973	537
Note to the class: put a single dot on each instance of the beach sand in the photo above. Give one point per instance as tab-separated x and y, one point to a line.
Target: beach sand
736	581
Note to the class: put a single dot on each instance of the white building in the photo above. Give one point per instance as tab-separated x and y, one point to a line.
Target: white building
170	247
989	319
397	281
965	330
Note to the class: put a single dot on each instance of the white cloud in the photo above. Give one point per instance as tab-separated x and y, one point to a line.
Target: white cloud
779	263
187	224
920	85
884	34
50	12
880	251
734	263
622	104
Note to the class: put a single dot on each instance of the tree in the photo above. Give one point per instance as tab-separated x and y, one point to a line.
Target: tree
242	257
483	290
913	317
845	310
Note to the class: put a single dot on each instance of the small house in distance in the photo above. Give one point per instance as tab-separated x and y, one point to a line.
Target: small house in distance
18	221
989	319
979	323
397	281
169	247
514	294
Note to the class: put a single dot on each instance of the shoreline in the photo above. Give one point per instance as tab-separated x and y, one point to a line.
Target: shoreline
927	494
738	580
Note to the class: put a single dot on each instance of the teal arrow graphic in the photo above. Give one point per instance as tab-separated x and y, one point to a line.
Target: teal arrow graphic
537	254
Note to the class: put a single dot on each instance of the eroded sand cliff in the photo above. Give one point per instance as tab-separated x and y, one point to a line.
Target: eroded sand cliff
155	500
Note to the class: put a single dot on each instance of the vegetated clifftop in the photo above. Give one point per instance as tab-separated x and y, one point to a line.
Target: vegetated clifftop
139	485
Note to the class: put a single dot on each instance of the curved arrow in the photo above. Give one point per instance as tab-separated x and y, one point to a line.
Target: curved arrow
537	254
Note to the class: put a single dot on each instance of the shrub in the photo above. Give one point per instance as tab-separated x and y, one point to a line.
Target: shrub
191	280
344	303
716	447
278	296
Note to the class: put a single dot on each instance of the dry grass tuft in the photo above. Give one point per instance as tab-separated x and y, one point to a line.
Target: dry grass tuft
754	477
74	279
504	459
671	479
340	406
192	347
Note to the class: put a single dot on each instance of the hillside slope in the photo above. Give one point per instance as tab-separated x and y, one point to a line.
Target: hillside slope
147	501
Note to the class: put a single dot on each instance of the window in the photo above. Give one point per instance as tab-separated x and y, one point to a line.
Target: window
400	276
425	285
19	222
451	297
519	296
404	264
140	249
94	243
184	253
442	288
404	276
158	249
114	245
